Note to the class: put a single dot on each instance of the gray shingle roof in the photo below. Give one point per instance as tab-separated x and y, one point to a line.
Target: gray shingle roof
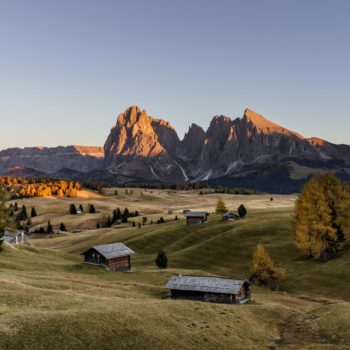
205	284
196	214
114	250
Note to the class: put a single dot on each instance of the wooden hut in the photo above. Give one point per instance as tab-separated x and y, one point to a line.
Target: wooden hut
17	237
230	216
115	256
209	289
196	217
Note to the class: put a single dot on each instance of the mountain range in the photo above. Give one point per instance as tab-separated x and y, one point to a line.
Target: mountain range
249	152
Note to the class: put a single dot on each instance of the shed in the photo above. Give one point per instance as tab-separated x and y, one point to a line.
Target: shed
196	217
115	256
230	216
209	289
17	237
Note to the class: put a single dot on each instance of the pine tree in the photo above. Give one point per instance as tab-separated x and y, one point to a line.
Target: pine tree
115	216
81	208
98	225
63	227
264	273
119	214
109	221
162	260
22	215
220	207
72	209
133	224
126	213
49	228
33	213
242	211
92	209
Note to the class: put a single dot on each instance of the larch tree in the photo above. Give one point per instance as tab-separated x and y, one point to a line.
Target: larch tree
264	272
220	207
322	217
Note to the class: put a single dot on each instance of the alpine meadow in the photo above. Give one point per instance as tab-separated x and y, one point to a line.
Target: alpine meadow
174	175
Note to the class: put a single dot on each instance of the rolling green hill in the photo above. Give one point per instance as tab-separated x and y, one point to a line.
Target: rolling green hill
49	299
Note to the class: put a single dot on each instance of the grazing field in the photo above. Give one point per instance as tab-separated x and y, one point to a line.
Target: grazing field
50	300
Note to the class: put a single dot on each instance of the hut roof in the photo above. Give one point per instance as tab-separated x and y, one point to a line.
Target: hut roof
114	250
205	284
196	214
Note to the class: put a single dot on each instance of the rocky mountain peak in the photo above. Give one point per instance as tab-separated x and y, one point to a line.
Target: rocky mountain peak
264	125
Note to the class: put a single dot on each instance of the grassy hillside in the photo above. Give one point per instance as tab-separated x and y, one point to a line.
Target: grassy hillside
49	299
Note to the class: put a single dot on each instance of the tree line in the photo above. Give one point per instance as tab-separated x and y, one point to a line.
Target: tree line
19	188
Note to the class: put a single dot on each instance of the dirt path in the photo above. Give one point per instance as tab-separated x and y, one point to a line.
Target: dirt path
301	330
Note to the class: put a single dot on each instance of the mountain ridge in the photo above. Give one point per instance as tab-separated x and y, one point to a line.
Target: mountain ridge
140	146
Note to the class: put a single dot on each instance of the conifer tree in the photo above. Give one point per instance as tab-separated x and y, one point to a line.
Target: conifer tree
162	260
49	228
81	208
63	227
72	209
33	213
22	215
242	211
264	273
220	207
92	209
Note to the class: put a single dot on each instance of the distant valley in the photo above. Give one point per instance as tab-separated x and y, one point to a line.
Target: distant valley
250	152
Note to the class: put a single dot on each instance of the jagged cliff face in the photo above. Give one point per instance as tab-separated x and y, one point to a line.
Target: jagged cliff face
149	148
141	148
51	160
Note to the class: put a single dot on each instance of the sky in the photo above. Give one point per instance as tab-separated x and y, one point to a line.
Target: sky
68	68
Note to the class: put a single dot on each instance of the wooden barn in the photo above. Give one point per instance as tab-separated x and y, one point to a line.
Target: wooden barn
209	289
115	256
196	217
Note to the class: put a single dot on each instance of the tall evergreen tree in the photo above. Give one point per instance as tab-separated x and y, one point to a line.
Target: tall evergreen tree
49	228
92	209
242	211
162	260
33	213
72	209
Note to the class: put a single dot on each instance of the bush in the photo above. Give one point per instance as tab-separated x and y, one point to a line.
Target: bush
63	227
162	260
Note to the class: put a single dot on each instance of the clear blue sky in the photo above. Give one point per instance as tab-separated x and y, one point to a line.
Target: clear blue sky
67	68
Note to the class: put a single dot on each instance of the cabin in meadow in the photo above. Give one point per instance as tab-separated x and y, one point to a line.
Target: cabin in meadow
196	217
115	256
17	237
230	216
209	289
